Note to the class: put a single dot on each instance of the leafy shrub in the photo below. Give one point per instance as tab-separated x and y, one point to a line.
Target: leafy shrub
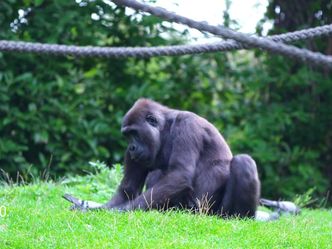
58	113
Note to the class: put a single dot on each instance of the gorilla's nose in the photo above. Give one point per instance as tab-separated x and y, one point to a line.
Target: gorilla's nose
132	148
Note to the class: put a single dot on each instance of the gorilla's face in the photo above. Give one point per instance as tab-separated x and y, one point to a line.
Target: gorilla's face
141	126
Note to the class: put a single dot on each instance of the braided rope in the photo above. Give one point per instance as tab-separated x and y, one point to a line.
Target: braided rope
267	44
271	43
143	52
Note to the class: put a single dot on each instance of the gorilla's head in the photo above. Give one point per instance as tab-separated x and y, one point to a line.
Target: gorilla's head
142	126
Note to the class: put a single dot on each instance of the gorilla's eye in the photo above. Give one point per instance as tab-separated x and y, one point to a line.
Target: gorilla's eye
151	120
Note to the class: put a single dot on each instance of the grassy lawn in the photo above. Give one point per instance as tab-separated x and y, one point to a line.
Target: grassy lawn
37	217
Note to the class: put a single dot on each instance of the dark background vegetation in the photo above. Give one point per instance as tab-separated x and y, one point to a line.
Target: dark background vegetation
61	112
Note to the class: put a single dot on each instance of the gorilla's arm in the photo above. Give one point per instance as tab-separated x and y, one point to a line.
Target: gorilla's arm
131	185
173	185
178	177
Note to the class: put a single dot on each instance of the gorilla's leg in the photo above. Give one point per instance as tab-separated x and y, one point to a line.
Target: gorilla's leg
152	178
242	190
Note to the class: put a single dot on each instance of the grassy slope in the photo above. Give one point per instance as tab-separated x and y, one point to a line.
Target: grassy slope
37	217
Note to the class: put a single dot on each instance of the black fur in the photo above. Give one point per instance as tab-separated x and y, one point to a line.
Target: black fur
242	189
185	162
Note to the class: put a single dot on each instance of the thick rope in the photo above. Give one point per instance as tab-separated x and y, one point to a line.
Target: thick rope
267	44
143	52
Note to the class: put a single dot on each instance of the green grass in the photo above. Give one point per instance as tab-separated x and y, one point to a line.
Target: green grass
37	217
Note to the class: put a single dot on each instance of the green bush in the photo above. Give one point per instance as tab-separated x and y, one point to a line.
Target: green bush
61	112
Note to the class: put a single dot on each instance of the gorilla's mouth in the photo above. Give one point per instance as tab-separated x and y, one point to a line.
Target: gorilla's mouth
143	159
139	157
136	157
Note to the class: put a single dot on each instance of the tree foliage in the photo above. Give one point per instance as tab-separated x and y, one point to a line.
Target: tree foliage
61	112
300	99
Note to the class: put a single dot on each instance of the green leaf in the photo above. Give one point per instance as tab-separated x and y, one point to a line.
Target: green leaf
38	2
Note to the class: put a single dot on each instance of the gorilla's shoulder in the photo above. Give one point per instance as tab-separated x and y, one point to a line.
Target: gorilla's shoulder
183	116
189	120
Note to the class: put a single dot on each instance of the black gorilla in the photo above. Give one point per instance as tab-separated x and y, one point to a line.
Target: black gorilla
184	161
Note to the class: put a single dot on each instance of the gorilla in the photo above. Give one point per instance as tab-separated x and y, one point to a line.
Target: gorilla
183	161
177	159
